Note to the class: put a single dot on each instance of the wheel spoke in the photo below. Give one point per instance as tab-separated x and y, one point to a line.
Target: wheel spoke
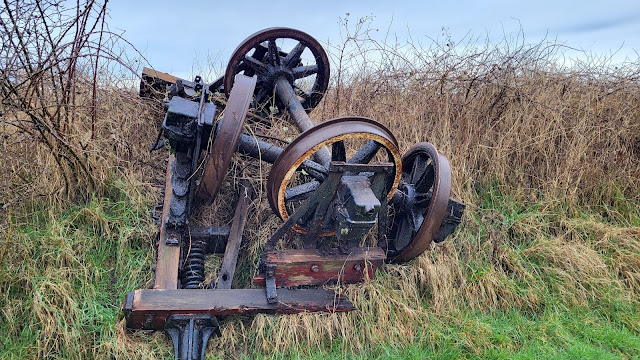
301	92
300	72
274	54
338	152
418	169
365	154
255	64
404	233
306	97
293	57
425	182
314	169
259	97
301	192
416	219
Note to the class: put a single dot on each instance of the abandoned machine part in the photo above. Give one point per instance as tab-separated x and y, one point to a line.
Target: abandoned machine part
260	55
420	203
331	186
226	138
282	197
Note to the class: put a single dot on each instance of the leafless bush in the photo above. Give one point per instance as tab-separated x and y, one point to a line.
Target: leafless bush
53	58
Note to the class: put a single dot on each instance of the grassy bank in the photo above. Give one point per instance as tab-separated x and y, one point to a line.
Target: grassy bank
507	285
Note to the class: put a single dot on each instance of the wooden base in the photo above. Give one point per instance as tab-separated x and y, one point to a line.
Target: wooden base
149	309
319	267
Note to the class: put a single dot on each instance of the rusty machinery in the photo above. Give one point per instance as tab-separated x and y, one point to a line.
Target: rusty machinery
328	198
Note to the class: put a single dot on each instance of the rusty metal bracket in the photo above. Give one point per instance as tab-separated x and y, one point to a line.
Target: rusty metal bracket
270	283
190	334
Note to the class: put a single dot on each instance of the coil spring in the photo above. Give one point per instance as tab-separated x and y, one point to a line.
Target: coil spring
193	271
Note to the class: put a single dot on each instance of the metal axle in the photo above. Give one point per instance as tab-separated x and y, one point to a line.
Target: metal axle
303	122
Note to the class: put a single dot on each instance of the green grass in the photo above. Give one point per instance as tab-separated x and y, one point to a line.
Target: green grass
524	281
65	275
558	332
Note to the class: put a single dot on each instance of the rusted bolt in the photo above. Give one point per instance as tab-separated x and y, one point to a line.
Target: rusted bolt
357	267
315	268
172	240
148	321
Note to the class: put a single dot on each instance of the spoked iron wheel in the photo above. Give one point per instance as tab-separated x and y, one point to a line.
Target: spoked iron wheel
424	194
281	53
287	185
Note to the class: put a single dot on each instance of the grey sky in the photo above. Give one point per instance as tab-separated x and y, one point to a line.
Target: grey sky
174	36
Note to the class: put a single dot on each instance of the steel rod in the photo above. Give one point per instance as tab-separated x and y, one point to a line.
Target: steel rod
262	150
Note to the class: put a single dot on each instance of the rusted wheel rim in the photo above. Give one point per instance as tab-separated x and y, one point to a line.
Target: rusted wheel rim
328	132
226	140
416	222
251	57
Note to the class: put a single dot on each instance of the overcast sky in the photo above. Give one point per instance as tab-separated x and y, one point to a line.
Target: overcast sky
175	35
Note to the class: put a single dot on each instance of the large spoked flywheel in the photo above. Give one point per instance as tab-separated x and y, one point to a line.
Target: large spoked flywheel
424	194
277	53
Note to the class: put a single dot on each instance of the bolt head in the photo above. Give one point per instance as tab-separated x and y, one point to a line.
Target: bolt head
172	240
315	268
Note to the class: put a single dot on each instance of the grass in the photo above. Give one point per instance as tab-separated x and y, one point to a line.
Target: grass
503	287
533	297
546	263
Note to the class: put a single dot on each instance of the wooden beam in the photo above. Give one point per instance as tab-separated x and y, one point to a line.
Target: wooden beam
322	266
230	259
154	74
168	255
149	309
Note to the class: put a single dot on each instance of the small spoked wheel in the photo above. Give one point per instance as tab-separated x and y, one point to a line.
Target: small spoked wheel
424	194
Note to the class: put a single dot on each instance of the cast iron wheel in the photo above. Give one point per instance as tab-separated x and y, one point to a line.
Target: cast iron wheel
226	138
333	132
424	194
259	55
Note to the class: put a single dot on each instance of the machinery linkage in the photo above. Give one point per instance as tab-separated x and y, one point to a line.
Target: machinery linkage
335	182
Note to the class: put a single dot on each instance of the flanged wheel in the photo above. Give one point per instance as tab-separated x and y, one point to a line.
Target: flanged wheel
226	138
262	54
287	185
424	194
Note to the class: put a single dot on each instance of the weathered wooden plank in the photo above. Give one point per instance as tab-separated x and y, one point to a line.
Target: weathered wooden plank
153	84
154	74
149	309
228	267
322	266
168	255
